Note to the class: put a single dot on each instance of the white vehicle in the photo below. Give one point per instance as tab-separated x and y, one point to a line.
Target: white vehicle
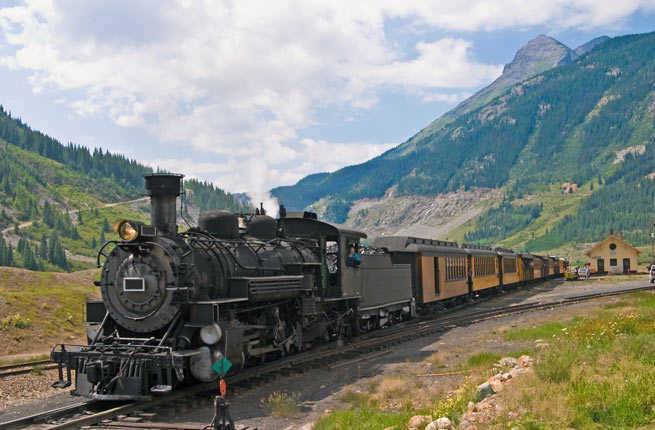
651	274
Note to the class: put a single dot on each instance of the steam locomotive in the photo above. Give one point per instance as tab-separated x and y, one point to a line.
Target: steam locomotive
241	288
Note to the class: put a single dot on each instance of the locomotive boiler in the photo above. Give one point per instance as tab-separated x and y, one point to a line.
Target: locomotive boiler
241	288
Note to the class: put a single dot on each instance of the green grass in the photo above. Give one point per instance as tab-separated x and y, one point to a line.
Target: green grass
597	373
42	308
366	418
543	331
281	404
483	359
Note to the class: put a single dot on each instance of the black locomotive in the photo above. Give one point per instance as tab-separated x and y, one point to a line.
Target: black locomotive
242	288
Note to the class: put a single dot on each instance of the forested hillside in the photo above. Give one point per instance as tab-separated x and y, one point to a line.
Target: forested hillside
587	121
58	202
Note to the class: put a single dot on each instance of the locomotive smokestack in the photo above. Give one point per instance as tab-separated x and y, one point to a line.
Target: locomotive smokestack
164	188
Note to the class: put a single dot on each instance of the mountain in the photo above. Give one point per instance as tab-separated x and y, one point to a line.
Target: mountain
58	202
582	119
589	46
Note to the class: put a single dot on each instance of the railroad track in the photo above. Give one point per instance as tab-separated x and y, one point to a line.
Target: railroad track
26	367
89	413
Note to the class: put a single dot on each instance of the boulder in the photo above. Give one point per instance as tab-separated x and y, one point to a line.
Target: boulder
496	384
514	372
508	362
444	423
419	421
484	390
525	361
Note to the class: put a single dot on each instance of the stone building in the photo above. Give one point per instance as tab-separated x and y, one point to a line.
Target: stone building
613	255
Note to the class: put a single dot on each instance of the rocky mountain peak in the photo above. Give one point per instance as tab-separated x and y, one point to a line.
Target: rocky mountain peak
539	54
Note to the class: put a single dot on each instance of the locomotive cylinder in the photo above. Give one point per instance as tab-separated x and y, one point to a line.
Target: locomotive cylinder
164	188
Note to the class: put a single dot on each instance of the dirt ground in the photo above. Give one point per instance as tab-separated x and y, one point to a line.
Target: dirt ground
319	390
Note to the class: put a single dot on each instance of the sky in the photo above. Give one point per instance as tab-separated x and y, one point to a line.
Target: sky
254	94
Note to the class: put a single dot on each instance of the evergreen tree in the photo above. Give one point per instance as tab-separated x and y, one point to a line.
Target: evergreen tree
4	252
30	260
80	220
10	256
56	253
105	225
102	239
43	248
48	215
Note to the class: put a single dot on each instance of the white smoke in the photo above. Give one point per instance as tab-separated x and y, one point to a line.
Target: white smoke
271	205
259	185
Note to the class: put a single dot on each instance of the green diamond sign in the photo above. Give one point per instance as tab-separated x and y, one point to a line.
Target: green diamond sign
222	366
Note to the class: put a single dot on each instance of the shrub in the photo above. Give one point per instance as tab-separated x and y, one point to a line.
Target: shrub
16	320
281	404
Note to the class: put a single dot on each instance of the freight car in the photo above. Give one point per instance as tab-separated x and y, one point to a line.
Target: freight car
245	288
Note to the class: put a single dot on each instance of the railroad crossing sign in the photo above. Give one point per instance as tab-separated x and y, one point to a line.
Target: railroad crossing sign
222	366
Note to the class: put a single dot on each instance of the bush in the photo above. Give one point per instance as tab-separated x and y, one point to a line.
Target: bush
281	404
16	321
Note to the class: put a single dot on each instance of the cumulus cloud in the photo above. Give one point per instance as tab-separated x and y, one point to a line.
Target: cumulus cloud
237	82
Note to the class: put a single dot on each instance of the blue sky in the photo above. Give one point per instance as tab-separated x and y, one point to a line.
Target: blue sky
252	95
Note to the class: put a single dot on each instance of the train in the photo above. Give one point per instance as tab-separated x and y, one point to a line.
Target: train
241	289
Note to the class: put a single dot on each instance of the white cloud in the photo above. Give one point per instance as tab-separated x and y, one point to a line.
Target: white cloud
452	98
237	82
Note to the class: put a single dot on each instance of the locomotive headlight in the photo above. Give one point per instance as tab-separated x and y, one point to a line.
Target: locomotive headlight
211	334
128	230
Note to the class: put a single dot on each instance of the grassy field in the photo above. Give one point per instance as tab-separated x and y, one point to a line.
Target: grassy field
596	372
39	309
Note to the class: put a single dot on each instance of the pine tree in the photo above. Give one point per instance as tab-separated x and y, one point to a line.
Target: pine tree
56	253
102	239
10	256
4	251
43	248
105	226
48	215
80	220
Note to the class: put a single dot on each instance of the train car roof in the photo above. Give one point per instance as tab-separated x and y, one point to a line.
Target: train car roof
434	250
416	244
478	249
505	252
309	227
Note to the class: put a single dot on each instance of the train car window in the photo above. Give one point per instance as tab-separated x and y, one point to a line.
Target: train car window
455	268
436	276
484	265
332	256
509	265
